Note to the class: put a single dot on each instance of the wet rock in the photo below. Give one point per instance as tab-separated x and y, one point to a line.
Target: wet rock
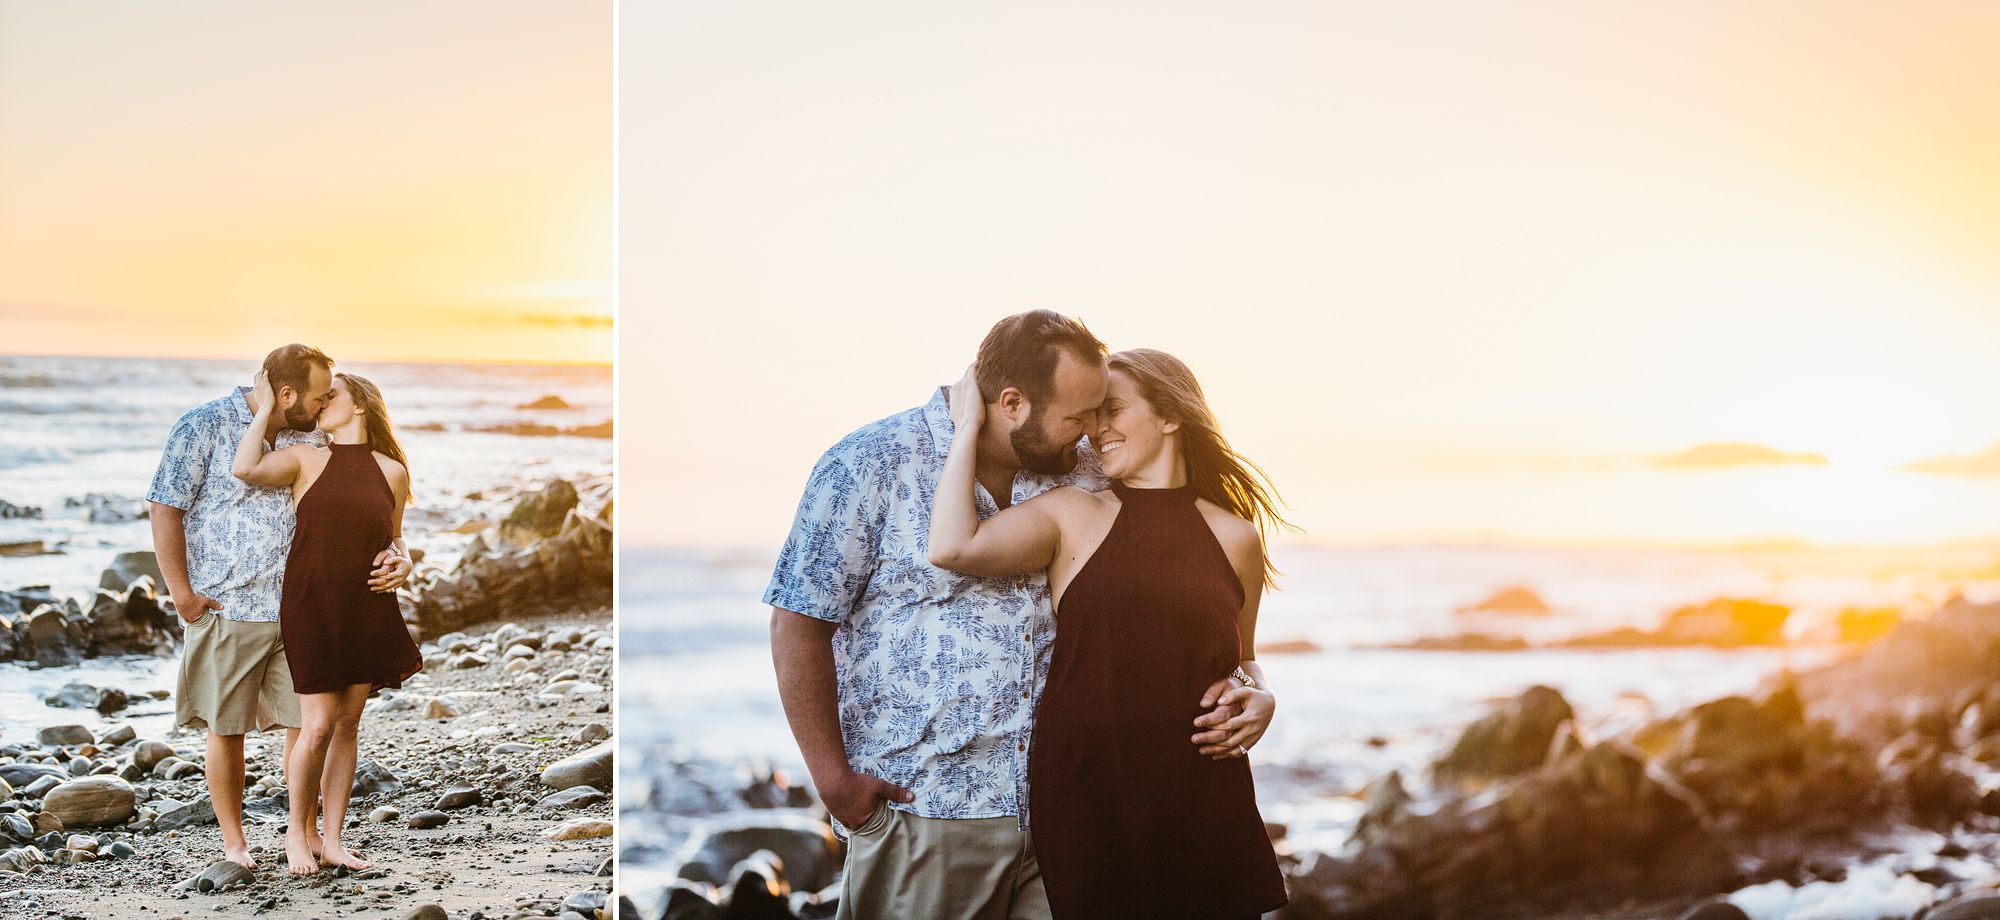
686	900
127	568
197	813
425	820
757	889
64	735
588	768
94	801
1385	803
119	735
45	823
773	788
16	829
585	902
19	775
73	695
548	556
804	845
42	785
1510	740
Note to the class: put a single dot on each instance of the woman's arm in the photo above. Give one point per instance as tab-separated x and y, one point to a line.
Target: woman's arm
1246	554
275	470
1023	538
393	565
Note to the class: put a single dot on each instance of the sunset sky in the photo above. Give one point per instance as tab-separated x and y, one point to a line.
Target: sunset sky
384	179
1448	270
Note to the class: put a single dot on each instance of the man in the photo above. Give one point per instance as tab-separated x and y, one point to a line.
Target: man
910	689
221	544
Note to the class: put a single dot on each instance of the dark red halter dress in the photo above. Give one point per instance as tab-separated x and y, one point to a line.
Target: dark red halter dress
1129	821
337	632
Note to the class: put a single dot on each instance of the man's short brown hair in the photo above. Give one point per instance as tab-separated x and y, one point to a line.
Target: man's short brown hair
291	366
1022	351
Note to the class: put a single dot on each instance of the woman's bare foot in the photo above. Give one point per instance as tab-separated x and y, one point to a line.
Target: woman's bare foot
337	855
315	844
299	858
239	854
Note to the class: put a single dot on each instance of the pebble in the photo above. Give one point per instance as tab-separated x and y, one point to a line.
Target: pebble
440	708
460	797
425	820
383	815
591	734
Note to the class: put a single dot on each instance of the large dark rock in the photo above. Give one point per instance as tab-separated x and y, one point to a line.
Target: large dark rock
757	889
1509	741
1921	664
546	558
127	568
131	622
804	845
50	637
1590	830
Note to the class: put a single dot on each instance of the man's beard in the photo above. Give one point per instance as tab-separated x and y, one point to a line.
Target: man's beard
297	419
1038	452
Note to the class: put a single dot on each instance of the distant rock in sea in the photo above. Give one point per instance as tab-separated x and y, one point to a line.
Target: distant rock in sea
546	402
1514	600
1738	454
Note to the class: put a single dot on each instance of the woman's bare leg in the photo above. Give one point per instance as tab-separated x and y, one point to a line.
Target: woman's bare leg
303	766
337	778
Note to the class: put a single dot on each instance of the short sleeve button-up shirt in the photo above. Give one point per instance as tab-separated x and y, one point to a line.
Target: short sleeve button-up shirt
938	672
237	534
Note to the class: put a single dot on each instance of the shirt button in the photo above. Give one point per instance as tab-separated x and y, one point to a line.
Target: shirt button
1020	747
1027	638
1024	694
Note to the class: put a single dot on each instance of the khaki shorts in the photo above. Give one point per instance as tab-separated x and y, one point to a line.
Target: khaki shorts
901	865
234	678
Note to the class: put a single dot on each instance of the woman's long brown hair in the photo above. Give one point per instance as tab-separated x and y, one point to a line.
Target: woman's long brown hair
1215	470
375	415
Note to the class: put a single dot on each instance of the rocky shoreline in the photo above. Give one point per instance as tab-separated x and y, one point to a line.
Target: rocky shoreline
1874	782
483	789
484	786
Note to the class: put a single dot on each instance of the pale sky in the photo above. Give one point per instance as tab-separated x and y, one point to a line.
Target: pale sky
386	179
1393	239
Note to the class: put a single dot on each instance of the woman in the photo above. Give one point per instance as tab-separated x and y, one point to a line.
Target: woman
1156	584
342	640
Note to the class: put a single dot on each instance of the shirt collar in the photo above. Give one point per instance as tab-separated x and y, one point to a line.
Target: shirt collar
937	417
239	408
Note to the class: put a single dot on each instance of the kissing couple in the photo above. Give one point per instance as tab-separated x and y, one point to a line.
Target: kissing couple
977	610
277	516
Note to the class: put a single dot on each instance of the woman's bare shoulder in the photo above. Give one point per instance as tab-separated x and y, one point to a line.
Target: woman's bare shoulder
1237	536
395	471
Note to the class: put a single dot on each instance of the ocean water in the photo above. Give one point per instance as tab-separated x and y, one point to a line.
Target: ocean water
72	427
698	677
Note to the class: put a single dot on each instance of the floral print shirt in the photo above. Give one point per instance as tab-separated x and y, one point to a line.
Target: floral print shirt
237	534
938	672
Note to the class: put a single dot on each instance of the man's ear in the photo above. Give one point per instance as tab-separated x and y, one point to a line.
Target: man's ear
287	397
1014	404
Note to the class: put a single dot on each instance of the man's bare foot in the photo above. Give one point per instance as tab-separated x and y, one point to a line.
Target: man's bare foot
239	853
299	858
337	855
